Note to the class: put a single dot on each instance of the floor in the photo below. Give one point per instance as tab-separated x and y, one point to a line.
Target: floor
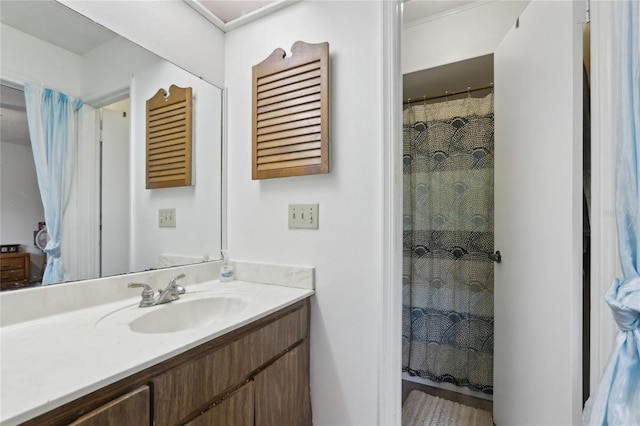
471	401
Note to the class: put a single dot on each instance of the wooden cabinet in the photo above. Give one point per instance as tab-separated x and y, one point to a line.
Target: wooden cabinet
15	270
129	409
282	391
236	409
256	375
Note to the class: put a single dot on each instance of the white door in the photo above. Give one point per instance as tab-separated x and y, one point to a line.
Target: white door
538	217
115	233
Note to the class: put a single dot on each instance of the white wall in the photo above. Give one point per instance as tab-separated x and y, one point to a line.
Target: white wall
93	77
107	70
197	207
346	249
21	207
26	59
170	29
472	31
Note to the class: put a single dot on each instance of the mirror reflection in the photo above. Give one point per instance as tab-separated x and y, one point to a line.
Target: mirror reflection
110	223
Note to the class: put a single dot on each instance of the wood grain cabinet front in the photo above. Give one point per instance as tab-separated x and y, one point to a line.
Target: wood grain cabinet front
237	409
130	409
256	375
15	270
282	391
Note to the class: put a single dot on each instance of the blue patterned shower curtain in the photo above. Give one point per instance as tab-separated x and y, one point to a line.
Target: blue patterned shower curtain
447	328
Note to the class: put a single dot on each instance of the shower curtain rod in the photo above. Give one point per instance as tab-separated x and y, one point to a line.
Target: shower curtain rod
457	92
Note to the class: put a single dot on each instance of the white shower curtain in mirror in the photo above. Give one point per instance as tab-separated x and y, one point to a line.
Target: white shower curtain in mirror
52	120
447	239
81	221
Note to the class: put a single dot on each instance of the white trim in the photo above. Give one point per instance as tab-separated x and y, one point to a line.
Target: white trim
447	13
604	241
224	173
12	82
577	231
110	96
390	321
463	390
244	19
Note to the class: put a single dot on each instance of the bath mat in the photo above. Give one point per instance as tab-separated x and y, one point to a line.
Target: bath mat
426	410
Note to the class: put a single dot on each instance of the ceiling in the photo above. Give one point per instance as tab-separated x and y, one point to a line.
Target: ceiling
65	28
52	21
440	82
227	10
58	25
419	10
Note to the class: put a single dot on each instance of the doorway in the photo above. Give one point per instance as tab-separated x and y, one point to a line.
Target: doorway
101	168
538	110
115	189
448	232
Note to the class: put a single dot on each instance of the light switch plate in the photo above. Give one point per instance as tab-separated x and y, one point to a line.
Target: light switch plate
167	218
303	216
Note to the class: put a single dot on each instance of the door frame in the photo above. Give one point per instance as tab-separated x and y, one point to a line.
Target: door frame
389	321
604	258
605	263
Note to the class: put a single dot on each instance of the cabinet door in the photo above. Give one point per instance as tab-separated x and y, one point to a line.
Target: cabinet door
282	395
183	390
131	409
236	410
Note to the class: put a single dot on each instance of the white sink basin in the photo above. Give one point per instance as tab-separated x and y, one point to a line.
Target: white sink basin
182	314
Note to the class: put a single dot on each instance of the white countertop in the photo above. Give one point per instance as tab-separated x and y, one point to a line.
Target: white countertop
49	361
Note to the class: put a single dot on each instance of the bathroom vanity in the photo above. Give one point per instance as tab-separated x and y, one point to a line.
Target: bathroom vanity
241	358
262	368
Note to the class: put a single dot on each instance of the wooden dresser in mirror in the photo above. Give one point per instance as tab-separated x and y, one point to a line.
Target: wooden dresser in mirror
15	270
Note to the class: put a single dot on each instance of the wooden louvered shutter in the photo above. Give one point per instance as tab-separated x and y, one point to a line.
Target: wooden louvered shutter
291	112
169	138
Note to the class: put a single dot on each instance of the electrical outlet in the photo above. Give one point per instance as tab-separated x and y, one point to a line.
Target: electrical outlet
167	218
303	216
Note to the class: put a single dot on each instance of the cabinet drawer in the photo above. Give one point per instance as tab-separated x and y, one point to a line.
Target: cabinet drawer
236	410
129	409
211	375
12	275
14	270
12	263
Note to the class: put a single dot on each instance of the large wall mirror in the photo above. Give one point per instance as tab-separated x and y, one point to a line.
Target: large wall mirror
111	223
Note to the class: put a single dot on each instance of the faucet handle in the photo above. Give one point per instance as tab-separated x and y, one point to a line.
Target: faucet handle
147	294
175	287
147	287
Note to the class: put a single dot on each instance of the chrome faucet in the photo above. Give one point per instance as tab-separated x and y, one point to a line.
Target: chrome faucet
170	293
